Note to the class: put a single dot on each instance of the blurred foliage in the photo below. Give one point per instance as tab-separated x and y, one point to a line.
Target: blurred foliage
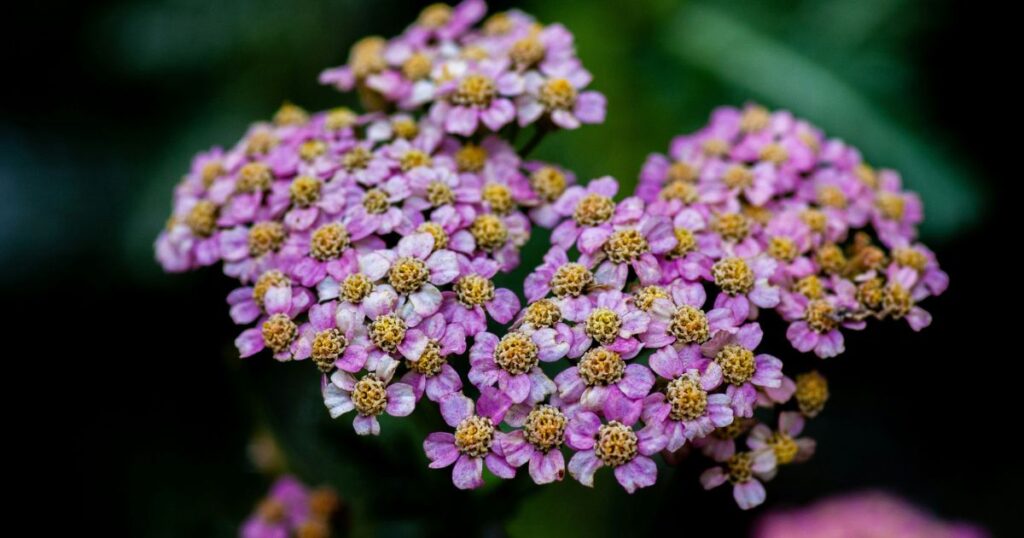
89	177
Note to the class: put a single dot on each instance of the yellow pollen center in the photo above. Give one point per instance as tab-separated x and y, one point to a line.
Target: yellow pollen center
367	57
738	177
474	436
376	201
340	118
815	220
870	293
644	297
831	196
498	24
738	467
733	275
279	332
265	237
601	366
782	248
732	226
543	313
328	241
439	193
516	353
254	177
370	396
571	279
414	159
473	290
811	393
266	281
687	399
734	429
471	158
431	360
545	427
603	325
435	16
774	153
557	94
417	66
866	174
311	149
625	246
387	332
437	232
685	243
489	231
475	90
260	143
290	114
896	300
593	209
689	325
210	172
910	257
616	444
202	218
683	171
754	119
498	197
304	191
715	147
548	182
327	346
737	364
356	159
407	275
680	190
527	51
820	316
784	446
890	205
831	258
356	287
810	286
405	128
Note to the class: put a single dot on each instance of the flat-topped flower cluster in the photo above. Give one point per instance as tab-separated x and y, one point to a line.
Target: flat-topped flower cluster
369	244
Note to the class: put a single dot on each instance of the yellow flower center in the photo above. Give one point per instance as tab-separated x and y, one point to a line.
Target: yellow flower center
527	51
644	297
414	158
870	293
328	241
603	325
260	143
557	94
376	201
682	171
499	197
304	191
473	290
498	24
357	158
265	237
738	177
545	427
405	128
367	57
290	114
571	280
266	281
435	16
593	209
754	119
202	218
340	118
732	226
437	232
687	399
370	396
784	446
474	435
311	149
810	286
733	275
625	246
254	177
417	66
910	257
278	332
548	182
387	331
782	248
689	325
327	346
896	300
831	258
680	190
543	313
616	445
475	90
715	147
430	361
890	205
820	316
516	353
471	158
489	231
738	467
866	174
737	364
774	153
811	393
356	287
210	172
685	243
601	366
439	193
815	220
831	196
407	275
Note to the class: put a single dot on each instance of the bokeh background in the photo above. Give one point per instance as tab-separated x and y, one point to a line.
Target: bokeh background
151	416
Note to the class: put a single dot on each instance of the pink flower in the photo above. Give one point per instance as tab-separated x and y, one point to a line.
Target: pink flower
686	409
613	444
427	348
476	441
743	469
369	396
734	363
414	269
557	94
603	382
511	362
474	294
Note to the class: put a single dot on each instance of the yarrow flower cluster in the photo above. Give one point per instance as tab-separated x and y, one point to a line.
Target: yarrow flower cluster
291	508
369	243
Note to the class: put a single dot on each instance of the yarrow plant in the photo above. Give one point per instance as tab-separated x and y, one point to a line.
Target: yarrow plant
371	243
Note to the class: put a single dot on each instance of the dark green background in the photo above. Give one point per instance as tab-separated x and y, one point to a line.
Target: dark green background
133	370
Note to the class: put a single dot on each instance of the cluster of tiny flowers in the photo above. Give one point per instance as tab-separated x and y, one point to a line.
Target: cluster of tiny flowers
369	244
291	509
858	515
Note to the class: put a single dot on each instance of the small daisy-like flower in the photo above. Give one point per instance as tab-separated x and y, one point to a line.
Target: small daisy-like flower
734	362
603	381
511	361
590	206
414	269
617	249
677	316
743	281
476	440
275	330
539	443
474	293
426	350
816	323
784	441
613	444
376	210
612	322
743	471
370	396
480	95
332	341
687	409
558	95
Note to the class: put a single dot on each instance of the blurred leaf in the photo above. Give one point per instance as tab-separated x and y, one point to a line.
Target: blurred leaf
779	76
